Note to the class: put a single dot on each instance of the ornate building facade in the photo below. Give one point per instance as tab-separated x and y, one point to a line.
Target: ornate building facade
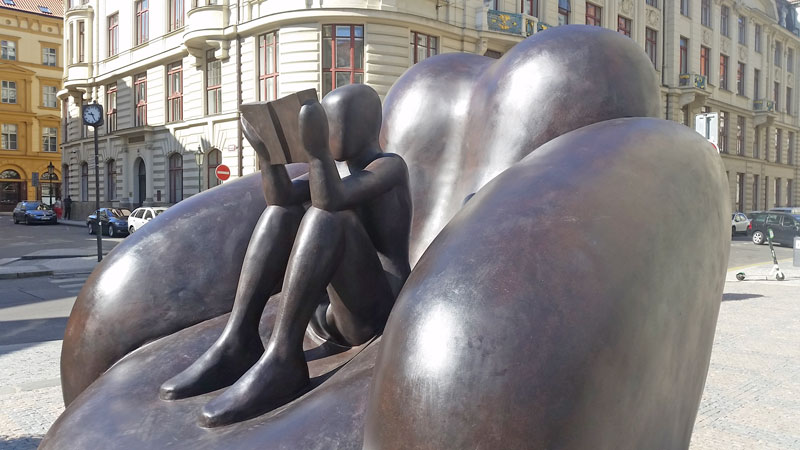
171	73
30	77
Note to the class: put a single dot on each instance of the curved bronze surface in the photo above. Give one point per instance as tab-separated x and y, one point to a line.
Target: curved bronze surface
549	271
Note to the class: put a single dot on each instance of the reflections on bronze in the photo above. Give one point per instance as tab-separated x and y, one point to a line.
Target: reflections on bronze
556	308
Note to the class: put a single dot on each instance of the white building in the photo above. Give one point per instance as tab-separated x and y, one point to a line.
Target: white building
170	74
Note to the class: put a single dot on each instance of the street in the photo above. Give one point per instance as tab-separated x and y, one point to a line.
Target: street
750	400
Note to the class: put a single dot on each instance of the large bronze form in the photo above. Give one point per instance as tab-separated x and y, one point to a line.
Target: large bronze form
552	304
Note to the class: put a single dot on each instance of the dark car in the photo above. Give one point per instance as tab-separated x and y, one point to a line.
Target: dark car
784	227
33	212
113	221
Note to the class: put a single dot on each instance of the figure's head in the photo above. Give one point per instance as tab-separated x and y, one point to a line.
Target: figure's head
354	120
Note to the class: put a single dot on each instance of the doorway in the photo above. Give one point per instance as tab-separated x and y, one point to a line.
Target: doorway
140	181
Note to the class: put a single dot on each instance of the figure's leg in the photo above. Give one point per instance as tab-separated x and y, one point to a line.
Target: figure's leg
239	345
330	246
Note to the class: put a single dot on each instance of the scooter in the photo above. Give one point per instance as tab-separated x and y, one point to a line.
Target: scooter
776	270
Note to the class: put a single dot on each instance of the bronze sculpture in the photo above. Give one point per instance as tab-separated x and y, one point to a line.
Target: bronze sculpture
555	308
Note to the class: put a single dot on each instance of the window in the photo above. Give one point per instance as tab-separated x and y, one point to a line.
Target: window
742	32
81	41
423	46
756	142
778	54
790	60
651	44
685	7
724	15
755	192
756	84
776	94
49	99
777	194
85	182
213	84
175	178
49	57
342	56
789	196
9	137
175	14
9	92
740	124
9	2
111	180
624	26
778	145
739	194
563	12
705	61
766	143
175	92
723	131
594	15
653	3
740	79
214	159
788	100
723	71
140	99
142	21
8	50
111	107
790	150
268	66
705	12
49	139
531	7
757	38
113	34
684	55
43	9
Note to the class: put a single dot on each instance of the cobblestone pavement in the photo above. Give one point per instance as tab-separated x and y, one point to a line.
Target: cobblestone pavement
751	399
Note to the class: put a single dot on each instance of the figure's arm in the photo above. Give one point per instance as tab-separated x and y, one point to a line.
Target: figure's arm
328	190
278	188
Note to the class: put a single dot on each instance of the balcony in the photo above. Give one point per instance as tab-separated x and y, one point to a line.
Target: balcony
764	112
692	88
763	106
205	26
692	80
514	24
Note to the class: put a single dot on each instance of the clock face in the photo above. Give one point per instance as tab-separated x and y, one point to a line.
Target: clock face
93	114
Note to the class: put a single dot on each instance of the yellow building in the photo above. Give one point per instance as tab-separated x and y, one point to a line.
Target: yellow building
31	69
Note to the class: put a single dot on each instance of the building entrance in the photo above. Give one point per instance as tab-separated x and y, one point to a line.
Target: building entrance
12	190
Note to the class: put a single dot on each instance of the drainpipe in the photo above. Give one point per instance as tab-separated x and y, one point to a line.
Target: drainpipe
239	137
663	50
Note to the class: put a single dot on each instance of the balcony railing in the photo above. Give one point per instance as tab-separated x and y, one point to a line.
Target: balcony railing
692	80
510	23
764	105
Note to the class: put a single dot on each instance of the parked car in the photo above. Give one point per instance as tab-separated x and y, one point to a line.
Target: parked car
113	221
141	216
739	223
34	212
784	227
787	209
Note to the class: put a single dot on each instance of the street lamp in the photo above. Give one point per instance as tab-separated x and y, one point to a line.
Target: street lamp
50	173
198	158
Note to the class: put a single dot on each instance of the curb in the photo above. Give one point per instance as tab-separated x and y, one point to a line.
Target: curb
72	223
28	274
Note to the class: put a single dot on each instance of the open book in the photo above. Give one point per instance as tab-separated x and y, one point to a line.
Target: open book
276	124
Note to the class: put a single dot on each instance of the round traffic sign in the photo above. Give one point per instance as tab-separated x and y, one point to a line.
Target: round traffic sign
222	172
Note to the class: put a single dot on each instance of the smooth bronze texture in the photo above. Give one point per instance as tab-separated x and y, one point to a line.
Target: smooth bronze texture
551	303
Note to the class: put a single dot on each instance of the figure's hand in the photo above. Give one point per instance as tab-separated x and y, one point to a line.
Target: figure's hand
252	138
314	129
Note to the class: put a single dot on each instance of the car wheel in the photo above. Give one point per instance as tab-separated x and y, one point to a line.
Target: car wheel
15	221
111	231
91	231
131	229
27	222
733	231
758	237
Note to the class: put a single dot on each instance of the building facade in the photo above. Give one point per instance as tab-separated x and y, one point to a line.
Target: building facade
171	73
30	77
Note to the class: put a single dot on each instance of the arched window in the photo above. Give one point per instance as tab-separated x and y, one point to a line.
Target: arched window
9	174
214	159
111	180
175	178
85	182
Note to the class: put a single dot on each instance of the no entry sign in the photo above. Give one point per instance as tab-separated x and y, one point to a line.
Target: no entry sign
222	172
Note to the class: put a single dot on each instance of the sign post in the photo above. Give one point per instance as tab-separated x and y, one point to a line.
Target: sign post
93	117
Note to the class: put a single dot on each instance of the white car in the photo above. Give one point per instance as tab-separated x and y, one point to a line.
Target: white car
739	223
141	216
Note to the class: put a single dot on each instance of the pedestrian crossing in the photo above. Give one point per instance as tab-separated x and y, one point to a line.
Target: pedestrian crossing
70	283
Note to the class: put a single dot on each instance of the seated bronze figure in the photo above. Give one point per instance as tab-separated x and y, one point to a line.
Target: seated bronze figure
556	308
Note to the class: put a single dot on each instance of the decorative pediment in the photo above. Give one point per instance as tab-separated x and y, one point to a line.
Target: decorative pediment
13	68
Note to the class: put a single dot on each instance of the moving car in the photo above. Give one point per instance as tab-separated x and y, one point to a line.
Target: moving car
141	216
113	221
784	227
34	212
739	223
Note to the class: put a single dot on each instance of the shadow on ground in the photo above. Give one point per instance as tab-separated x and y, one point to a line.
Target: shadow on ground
738	297
34	330
20	443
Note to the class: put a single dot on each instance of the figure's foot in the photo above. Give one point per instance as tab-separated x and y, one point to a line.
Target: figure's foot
220	366
272	382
